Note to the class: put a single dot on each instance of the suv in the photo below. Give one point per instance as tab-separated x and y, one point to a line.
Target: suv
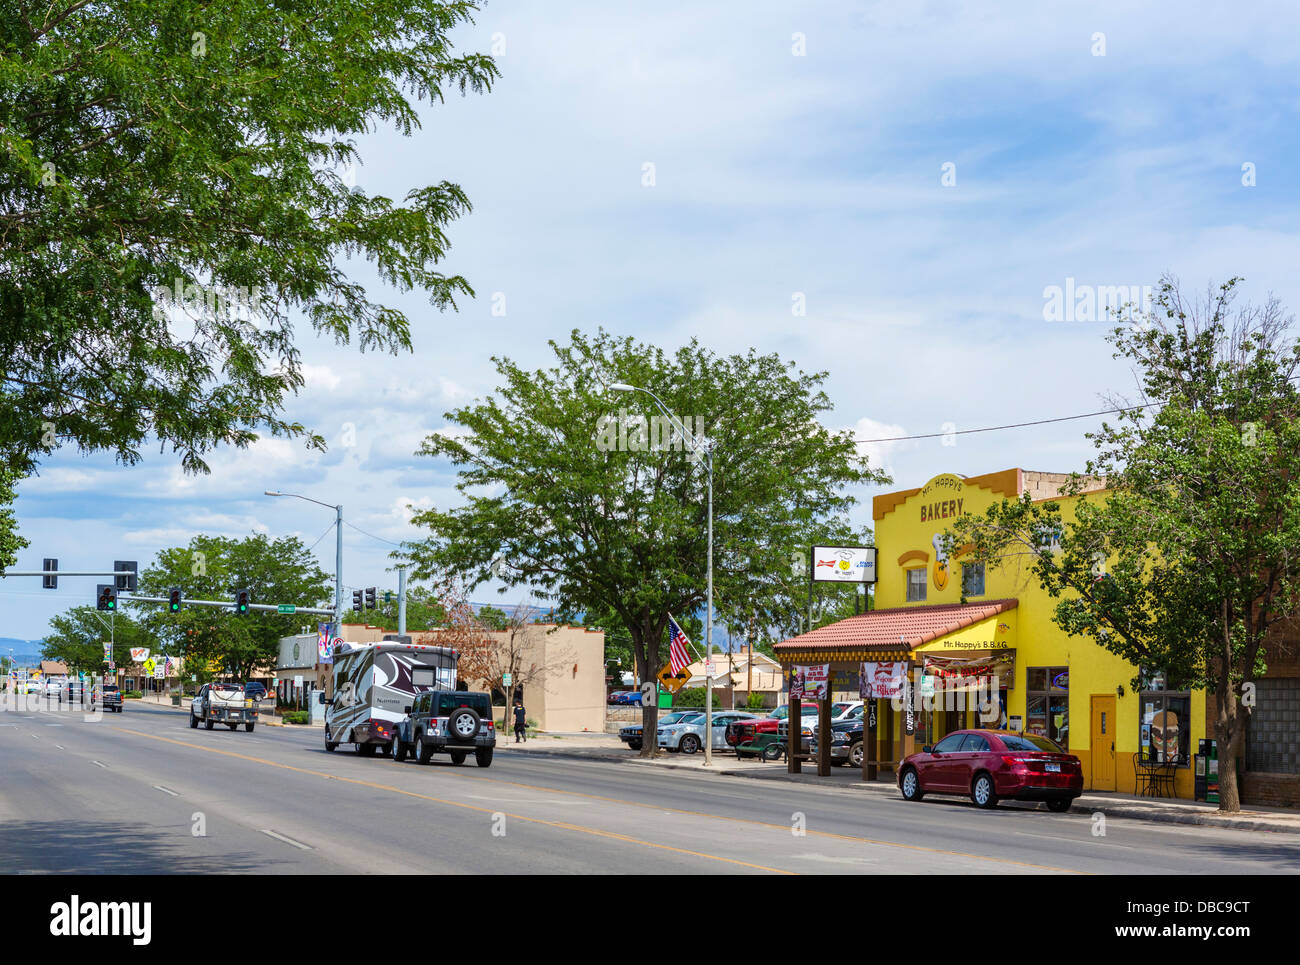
111	695
223	704
447	721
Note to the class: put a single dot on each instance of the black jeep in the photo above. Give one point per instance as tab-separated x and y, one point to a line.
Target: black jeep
447	721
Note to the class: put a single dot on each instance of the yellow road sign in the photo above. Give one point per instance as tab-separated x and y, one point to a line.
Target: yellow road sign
670	682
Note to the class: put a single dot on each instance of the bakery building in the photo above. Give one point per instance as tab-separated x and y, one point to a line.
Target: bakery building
976	646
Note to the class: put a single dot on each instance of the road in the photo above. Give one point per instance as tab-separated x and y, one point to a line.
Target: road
140	792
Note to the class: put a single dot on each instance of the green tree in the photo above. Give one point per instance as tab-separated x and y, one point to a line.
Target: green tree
188	146
565	484
215	568
77	637
493	618
1187	562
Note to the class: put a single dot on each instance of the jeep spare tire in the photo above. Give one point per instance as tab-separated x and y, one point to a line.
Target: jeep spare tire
462	724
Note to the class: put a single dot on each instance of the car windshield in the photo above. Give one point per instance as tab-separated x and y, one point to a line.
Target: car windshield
1029	742
110	688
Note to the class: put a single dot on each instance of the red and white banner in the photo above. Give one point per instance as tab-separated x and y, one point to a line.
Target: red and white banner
139	654
882	680
810	681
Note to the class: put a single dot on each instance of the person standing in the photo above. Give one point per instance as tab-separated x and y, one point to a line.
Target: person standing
521	722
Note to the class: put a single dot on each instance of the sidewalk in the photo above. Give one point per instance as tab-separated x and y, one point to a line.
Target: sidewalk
725	764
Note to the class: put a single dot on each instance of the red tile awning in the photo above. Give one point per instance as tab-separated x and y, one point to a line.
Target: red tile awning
897	629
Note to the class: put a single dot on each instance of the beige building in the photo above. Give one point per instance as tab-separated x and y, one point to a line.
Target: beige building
738	675
561	669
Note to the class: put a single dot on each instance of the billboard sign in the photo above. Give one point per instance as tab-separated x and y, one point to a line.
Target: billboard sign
844	564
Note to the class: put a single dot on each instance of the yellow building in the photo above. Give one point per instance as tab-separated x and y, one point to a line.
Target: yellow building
979	647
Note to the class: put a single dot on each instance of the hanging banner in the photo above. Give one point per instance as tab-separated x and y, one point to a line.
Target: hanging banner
324	643
108	652
882	680
810	681
971	673
139	654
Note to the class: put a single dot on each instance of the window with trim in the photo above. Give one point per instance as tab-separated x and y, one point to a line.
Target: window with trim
972	579
916	585
1164	721
1047	694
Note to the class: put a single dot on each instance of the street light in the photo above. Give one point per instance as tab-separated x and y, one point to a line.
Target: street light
338	554
706	448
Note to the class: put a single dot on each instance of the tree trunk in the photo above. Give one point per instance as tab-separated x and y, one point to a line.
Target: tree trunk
1229	731
649	712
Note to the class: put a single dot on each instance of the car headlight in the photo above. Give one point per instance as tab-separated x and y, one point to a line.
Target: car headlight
840	739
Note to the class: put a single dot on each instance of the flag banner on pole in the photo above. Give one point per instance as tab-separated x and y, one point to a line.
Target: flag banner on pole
678	657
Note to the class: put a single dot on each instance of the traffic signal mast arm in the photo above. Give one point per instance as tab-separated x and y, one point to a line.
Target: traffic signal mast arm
227	604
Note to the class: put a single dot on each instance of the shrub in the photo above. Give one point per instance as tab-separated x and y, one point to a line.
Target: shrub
133	695
296	717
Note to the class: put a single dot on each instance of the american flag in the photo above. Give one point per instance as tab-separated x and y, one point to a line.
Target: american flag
678	657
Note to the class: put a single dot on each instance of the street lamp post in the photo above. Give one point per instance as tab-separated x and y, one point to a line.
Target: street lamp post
338	555
705	448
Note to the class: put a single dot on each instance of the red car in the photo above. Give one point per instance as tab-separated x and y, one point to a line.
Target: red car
993	764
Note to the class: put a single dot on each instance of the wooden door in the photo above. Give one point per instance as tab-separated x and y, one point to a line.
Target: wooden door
1102	744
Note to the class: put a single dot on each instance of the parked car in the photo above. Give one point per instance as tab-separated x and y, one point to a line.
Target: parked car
847	710
846	742
616	696
989	765
631	735
687	736
771	724
254	690
452	722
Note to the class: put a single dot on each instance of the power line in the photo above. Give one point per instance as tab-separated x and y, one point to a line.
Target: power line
372	535
320	537
1015	425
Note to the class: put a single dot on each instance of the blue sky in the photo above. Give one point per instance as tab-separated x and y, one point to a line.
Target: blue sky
775	174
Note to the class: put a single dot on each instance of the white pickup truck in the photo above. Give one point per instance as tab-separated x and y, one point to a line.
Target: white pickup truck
223	704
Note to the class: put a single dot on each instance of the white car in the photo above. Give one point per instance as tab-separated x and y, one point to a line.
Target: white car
687	735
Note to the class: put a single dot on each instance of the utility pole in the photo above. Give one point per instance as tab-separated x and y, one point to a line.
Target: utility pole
401	598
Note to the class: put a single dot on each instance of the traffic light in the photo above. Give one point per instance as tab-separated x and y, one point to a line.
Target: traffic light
370	598
107	598
50	566
241	601
174	599
356	600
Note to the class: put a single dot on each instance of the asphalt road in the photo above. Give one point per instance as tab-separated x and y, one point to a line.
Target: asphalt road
140	792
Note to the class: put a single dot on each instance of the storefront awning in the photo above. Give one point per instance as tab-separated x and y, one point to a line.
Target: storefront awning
897	631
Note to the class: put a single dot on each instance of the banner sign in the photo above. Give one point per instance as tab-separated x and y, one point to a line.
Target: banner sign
108	652
139	654
810	681
844	564
882	680
325	642
971	673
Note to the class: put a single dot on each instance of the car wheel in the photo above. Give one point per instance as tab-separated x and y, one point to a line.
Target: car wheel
1060	805
855	754
399	750
208	725
690	744
911	785
462	725
248	728
483	757
194	721
422	751
458	757
982	791
329	744
366	750
634	745
773	752
233	726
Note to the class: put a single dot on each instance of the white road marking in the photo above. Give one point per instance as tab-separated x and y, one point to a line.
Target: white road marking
59	746
99	763
166	790
281	837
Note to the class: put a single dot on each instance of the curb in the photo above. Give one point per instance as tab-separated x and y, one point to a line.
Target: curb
1175	817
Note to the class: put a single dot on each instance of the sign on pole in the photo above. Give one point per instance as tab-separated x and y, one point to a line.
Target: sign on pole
844	564
286	608
670	682
139	654
507	678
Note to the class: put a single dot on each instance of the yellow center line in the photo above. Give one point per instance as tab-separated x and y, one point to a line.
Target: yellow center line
564	826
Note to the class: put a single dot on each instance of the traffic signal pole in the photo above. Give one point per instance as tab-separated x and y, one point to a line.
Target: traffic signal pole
229	605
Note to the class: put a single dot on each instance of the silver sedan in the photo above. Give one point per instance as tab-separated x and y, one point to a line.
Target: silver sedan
688	736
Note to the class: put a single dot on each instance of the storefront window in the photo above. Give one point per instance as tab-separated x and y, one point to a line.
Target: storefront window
1165	722
915	585
972	579
1048	703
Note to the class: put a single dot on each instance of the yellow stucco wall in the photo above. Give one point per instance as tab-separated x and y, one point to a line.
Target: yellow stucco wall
906	526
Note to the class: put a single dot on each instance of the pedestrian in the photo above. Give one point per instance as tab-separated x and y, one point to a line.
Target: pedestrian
521	722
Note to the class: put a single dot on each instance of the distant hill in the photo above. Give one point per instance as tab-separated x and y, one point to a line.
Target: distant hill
27	653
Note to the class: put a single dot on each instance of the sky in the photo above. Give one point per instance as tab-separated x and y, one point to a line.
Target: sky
914	175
